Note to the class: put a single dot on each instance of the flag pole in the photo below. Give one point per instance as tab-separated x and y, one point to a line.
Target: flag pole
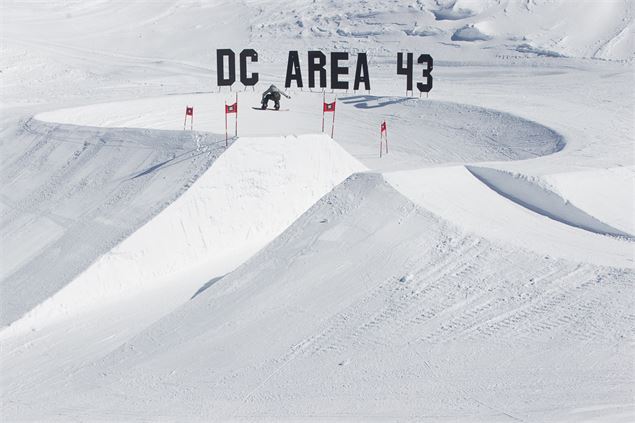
225	123
323	101
333	124
386	139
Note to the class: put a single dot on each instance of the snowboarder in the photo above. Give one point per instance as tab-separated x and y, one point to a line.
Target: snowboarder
272	93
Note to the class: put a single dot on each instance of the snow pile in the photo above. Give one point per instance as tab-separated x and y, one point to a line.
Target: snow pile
248	196
528	48
452	14
426	31
469	33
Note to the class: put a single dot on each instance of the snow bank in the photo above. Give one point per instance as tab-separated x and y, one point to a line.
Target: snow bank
469	33
248	196
530	194
528	48
458	196
423	32
452	14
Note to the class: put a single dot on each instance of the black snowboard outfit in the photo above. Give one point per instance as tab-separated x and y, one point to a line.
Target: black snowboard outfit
272	93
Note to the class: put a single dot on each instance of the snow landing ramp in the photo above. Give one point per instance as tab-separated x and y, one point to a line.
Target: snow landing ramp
368	296
250	194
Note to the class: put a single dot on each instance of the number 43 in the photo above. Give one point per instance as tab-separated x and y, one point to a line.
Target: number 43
408	71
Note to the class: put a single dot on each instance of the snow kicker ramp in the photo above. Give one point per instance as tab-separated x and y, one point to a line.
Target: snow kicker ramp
366	303
71	193
228	214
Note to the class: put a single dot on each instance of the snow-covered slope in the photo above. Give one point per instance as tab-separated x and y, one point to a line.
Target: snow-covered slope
365	304
456	28
255	190
420	293
247	197
71	193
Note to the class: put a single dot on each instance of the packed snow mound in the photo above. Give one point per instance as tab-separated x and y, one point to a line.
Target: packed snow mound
458	196
369	296
71	193
530	193
453	13
469	33
421	131
250	194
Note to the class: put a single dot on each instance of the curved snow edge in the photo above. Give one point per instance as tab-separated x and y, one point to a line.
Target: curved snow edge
521	190
458	196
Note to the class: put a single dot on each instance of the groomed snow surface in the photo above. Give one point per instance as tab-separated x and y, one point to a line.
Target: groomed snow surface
482	270
248	197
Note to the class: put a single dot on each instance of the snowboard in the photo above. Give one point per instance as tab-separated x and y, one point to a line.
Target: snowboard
270	110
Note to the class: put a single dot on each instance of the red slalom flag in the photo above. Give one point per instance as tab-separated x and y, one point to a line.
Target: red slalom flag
329	107
383	137
231	108
189	111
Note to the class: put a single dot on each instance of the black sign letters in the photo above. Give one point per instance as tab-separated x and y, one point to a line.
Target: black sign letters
317	63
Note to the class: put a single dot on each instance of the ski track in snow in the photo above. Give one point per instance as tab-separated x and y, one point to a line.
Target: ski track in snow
412	291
